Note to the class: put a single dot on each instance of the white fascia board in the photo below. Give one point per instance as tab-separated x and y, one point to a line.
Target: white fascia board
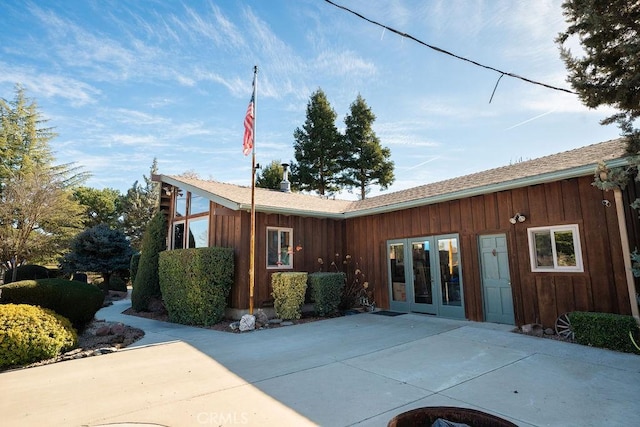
488	189
200	192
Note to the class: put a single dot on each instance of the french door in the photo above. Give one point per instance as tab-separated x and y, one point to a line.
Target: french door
425	277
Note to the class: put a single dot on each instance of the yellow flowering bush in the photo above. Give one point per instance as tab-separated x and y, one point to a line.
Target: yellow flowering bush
29	334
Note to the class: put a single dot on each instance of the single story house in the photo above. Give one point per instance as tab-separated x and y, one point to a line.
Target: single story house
518	244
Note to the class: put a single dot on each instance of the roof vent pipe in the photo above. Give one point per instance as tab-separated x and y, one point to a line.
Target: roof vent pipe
285	185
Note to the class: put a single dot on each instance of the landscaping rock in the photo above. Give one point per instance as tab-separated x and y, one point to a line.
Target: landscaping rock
275	321
117	329
261	317
549	331
103	331
286	323
234	326
247	323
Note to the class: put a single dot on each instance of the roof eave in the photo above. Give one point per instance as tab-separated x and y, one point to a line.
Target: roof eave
296	212
487	189
199	191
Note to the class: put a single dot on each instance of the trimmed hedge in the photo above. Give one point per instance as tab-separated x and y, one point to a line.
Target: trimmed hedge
29	334
605	330
326	291
27	272
195	284
133	266
147	282
288	294
76	301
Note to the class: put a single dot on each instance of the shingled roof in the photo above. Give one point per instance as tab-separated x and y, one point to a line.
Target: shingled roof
569	164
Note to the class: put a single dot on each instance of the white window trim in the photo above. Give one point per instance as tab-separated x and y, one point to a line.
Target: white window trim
280	267
578	268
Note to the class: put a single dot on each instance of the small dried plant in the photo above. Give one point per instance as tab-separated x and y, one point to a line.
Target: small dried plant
356	292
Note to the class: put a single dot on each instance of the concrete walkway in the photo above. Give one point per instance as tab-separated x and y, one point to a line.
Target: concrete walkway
354	370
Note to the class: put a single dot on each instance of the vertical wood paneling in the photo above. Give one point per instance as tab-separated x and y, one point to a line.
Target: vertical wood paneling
618	284
477	214
571	206
554	203
545	290
491	211
597	254
537	204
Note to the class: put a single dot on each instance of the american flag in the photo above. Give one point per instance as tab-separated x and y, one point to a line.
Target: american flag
247	143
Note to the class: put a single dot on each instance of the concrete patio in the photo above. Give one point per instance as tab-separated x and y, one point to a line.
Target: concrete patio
354	370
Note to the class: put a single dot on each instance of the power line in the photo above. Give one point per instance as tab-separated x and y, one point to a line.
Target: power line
446	52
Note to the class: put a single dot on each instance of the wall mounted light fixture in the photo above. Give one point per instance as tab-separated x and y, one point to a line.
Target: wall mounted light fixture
517	218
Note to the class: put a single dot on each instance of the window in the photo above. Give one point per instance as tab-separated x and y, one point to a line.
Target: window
555	248
199	232
178	235
279	247
180	208
198	205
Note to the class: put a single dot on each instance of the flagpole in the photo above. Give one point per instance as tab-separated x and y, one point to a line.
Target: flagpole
252	245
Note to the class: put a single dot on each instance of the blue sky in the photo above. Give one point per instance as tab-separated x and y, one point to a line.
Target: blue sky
124	82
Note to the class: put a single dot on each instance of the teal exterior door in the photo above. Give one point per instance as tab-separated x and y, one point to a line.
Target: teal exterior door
496	280
424	276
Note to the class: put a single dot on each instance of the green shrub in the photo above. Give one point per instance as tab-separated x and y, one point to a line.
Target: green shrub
29	334
117	283
326	291
133	266
147	283
604	330
76	301
195	284
27	272
288	294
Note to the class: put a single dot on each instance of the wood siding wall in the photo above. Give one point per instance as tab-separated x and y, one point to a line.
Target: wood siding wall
313	238
538	297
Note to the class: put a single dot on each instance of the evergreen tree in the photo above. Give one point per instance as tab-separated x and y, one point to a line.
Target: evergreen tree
317	149
24	143
147	283
101	206
364	161
139	205
99	249
609	71
38	216
271	176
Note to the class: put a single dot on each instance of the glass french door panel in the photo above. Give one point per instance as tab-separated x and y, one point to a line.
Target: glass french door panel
397	270
422	291
449	263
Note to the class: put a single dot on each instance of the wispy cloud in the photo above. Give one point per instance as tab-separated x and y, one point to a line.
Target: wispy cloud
44	85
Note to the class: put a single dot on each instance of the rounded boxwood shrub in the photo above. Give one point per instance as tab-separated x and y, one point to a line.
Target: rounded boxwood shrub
288	294
29	334
76	301
27	272
326	291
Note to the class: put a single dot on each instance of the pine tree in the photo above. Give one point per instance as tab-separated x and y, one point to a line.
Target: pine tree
24	143
365	162
139	205
609	71
317	149
271	176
